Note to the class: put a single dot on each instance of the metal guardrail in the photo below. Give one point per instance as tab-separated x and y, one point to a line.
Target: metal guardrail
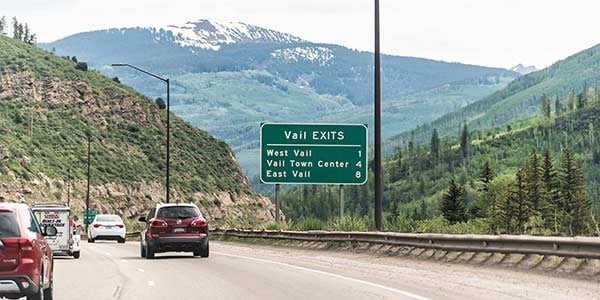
577	247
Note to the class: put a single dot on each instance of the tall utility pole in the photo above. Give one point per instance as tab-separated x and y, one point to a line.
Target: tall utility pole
87	196
377	158
167	81
69	187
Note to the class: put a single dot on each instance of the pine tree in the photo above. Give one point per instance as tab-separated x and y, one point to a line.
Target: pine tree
15	25
502	212
26	33
464	144
533	183
453	203
435	146
575	202
551	212
519	198
545	107
2	25
487	174
558	107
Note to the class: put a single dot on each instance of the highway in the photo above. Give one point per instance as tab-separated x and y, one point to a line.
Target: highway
108	270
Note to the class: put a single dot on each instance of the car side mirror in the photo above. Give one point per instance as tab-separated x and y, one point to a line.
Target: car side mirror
142	219
49	231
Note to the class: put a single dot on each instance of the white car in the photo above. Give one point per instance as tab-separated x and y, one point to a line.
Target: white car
107	227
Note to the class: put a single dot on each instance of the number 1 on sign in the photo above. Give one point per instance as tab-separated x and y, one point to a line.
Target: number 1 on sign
359	153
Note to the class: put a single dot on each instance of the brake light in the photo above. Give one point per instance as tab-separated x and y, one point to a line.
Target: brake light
199	223
158	223
96	225
120	225
23	243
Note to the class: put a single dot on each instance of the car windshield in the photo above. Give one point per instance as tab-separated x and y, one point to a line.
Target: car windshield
8	225
178	212
108	218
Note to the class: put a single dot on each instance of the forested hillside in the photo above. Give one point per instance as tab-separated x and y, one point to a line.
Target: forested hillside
519	99
537	176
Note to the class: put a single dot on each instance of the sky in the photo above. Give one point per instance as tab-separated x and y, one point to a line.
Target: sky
499	33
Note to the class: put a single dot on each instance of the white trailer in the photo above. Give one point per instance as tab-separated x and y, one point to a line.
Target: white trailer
58	215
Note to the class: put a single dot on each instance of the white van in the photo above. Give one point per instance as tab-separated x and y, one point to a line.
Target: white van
58	215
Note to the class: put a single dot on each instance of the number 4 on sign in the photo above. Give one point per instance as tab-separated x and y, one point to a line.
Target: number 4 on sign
359	164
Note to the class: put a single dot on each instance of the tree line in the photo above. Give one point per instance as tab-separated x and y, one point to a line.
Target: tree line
20	31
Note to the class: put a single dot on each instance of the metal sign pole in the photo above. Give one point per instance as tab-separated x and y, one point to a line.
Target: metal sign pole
277	187
377	158
341	201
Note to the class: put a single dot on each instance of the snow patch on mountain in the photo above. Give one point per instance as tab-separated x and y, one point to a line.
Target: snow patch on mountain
212	34
523	70
320	55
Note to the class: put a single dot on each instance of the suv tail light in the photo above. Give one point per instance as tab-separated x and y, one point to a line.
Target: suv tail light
120	225
158	224
22	243
199	223
96	225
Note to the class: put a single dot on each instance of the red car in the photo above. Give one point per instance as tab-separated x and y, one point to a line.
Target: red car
26	263
174	228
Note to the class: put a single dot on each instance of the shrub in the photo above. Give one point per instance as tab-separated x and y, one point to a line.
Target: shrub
82	66
305	224
350	223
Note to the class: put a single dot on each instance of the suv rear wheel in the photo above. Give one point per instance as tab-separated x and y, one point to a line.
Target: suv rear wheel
202	251
142	250
149	252
39	295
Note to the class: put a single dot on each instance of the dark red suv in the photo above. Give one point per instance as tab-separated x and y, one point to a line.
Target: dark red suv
174	228
26	261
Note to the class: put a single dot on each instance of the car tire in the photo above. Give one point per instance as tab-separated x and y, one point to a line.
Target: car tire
149	252
121	240
76	255
203	250
142	250
90	240
40	293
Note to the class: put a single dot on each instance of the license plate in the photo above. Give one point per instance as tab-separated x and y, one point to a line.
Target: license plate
108	227
179	230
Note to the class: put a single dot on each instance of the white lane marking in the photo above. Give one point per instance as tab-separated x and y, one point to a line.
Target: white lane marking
124	260
107	253
141	270
150	283
387	288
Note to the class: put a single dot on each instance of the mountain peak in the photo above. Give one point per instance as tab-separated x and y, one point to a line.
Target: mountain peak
212	34
523	70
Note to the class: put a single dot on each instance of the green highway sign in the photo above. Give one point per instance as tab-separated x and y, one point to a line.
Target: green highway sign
313	154
88	218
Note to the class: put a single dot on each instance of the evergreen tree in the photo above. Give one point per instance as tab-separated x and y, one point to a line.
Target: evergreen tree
558	107
545	107
2	25
486	175
15	25
464	144
518	197
551	212
160	103
453	203
502	213
26	33
533	183
435	146
575	202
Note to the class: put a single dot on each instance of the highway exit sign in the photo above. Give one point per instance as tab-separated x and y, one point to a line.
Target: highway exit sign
313	154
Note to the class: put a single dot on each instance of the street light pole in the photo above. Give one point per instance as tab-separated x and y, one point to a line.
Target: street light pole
167	81
377	158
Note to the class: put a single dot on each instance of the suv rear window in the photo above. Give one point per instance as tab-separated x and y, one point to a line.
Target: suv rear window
8	225
178	212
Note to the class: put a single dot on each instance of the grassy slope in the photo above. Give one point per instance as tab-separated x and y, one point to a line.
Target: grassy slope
127	145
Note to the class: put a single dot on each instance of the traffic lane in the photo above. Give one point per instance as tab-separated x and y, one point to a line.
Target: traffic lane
426	277
115	271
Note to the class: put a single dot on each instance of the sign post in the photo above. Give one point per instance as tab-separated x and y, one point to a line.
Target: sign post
313	154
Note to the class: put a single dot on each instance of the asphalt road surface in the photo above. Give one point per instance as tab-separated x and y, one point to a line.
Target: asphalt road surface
108	270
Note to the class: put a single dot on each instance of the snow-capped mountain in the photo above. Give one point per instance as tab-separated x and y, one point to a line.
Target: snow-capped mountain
211	34
523	70
320	55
